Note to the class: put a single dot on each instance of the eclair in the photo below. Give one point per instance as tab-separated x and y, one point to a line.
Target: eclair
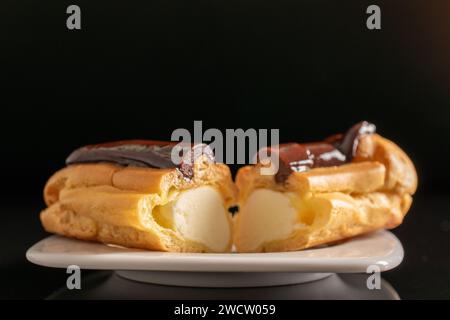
131	194
324	192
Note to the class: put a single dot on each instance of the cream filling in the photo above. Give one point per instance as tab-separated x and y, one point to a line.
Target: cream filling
197	215
267	216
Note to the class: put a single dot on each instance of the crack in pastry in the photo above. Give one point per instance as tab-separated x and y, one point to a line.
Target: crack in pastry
127	193
364	183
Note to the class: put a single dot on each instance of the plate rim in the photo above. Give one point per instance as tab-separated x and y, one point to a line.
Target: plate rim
221	262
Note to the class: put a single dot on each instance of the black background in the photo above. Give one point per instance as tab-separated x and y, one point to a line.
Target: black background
141	69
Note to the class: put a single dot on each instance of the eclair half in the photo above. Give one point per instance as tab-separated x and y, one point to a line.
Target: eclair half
324	192
130	194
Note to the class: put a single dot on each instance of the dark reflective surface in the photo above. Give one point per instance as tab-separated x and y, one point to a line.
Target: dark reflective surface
106	285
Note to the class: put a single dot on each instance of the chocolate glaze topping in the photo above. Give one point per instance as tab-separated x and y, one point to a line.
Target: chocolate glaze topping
138	153
294	157
333	151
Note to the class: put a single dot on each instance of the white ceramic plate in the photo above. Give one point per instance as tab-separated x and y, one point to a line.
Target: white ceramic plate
381	248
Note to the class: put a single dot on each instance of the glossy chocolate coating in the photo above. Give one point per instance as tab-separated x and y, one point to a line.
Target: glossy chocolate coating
138	153
294	157
333	151
350	139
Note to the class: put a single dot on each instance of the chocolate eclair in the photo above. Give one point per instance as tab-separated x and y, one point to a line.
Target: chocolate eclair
130	193
323	192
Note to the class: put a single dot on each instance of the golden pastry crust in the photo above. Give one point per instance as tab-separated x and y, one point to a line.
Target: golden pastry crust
114	204
370	193
401	175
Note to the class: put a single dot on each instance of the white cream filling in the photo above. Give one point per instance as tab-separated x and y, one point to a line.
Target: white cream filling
267	216
198	215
